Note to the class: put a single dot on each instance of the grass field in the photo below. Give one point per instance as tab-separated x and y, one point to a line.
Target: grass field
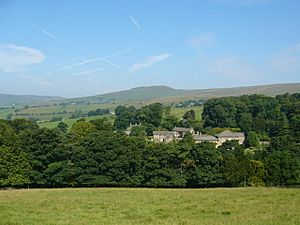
70	122
4	112
236	206
68	108
47	112
179	112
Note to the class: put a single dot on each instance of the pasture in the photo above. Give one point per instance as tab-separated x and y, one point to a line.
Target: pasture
179	112
234	206
70	122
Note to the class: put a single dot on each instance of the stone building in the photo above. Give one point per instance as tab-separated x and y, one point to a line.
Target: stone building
204	137
227	135
179	132
163	136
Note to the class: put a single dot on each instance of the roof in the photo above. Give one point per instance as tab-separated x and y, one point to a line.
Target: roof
229	134
163	133
182	129
204	137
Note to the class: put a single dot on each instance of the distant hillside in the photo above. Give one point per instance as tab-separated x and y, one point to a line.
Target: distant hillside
149	94
134	95
7	100
166	94
270	90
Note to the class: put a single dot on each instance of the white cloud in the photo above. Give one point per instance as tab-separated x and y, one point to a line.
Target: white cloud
202	40
15	58
135	23
233	68
150	61
288	60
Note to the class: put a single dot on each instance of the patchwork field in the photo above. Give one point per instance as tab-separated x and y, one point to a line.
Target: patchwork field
247	206
46	113
70	122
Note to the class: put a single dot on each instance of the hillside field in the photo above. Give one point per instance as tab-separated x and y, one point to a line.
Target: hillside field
70	122
53	110
234	206
179	112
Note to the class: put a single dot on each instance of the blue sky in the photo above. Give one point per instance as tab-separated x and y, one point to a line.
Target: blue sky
78	48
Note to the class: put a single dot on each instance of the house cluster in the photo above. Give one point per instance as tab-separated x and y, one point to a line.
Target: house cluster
178	132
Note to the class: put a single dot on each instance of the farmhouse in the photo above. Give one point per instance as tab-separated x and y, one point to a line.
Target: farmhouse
178	133
204	137
163	136
227	135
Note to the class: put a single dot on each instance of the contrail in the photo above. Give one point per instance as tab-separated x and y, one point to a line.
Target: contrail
87	71
51	35
110	63
102	58
135	23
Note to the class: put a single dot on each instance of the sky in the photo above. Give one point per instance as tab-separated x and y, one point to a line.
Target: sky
78	48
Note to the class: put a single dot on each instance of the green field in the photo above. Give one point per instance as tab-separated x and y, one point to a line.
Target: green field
70	122
235	206
46	113
5	111
179	112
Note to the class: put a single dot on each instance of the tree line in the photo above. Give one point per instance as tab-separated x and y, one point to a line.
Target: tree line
99	153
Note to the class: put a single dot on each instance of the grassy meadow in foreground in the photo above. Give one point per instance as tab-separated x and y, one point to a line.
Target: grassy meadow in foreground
150	206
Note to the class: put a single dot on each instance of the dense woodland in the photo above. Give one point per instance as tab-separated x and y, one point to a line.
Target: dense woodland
99	153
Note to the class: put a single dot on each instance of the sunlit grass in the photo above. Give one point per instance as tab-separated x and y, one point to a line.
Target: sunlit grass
263	206
179	112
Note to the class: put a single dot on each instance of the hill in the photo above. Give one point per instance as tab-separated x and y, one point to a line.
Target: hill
134	95
149	94
166	94
6	99
269	90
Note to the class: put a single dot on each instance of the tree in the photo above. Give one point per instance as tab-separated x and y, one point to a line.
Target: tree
204	166
9	116
283	168
80	129
257	173
246	122
103	124
63	127
14	168
117	158
138	131
43	147
252	139
161	166
56	118
151	114
235	164
76	114
20	125
189	115
7	134
125	116
169	122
